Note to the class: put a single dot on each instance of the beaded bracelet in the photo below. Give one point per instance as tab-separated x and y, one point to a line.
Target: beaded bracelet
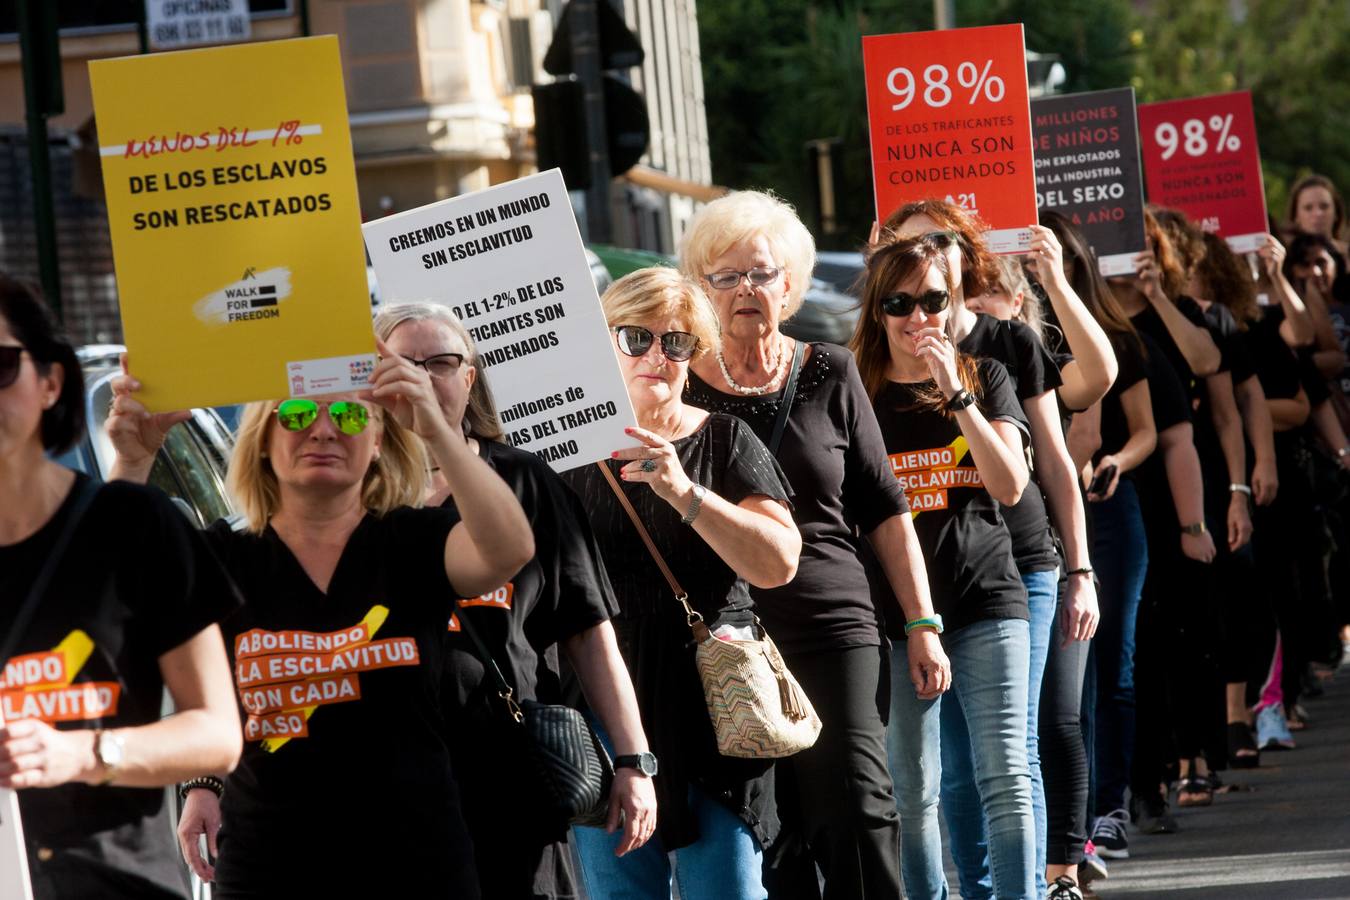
209	782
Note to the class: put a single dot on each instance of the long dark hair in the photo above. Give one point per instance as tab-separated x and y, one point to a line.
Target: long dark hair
1085	277
32	324
892	262
1227	280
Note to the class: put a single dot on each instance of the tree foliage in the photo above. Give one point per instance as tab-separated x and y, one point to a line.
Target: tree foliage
779	73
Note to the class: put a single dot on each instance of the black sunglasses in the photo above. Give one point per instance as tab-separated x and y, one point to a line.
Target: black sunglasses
634	340
10	358
901	304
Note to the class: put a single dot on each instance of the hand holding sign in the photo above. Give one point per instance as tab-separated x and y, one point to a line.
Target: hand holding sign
1046	257
406	393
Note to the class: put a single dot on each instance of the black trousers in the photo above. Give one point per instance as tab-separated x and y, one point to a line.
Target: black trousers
835	800
1064	764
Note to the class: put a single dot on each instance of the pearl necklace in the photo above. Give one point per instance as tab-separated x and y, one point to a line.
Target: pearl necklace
778	372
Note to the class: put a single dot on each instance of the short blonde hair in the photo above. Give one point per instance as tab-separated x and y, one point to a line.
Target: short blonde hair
481	413
659	292
742	216
398	477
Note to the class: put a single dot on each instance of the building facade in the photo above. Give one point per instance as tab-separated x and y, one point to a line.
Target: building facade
438	93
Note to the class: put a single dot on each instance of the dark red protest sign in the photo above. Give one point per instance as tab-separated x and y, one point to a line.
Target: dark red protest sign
948	116
1087	168
1201	157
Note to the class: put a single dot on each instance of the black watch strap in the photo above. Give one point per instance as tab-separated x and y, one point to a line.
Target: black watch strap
643	762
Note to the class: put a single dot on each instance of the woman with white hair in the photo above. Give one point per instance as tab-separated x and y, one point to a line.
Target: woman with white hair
560	600
807	403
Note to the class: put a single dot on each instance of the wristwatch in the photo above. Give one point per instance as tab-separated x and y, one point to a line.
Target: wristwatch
1194	530
643	762
698	491
110	751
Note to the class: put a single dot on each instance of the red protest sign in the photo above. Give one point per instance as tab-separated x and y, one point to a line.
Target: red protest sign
949	118
1200	156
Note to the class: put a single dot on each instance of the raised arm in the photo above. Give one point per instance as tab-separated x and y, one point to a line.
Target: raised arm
756	536
1093	369
1297	327
1194	341
493	539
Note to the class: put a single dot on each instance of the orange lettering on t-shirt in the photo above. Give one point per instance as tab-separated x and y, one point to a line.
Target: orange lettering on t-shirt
500	598
35	670
291	724
75	703
261	643
380	654
296	694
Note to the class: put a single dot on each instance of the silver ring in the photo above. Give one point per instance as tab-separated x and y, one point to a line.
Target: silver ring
648	465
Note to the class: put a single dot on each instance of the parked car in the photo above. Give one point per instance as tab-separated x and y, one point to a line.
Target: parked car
191	466
827	314
842	270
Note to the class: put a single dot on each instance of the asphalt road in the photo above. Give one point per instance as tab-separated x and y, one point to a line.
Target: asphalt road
1286	834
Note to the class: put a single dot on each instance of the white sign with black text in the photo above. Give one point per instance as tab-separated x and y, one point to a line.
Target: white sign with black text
509	262
174	24
14	884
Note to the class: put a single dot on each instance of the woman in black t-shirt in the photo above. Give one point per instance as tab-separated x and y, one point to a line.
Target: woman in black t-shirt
339	647
561	600
860	564
126	609
956	438
716	507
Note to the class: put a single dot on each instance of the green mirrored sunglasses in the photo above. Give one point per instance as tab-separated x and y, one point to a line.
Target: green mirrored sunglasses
298	414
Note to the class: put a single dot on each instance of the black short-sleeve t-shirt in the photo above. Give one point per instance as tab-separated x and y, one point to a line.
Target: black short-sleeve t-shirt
725	457
136	581
1227	334
834	458
967	549
562	591
1032	370
344	749
1131	368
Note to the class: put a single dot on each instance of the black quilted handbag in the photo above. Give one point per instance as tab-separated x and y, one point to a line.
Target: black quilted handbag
572	769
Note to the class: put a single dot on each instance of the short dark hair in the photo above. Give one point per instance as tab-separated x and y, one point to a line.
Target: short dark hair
31	322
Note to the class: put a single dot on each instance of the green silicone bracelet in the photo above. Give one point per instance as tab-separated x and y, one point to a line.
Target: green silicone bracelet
933	622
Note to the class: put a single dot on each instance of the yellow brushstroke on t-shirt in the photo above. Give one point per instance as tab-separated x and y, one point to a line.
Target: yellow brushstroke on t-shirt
958	448
373	620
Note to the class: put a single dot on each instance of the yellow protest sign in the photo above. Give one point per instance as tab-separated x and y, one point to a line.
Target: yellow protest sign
236	233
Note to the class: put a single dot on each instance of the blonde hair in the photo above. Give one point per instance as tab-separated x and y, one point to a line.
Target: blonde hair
649	294
1012	280
480	415
397	477
742	216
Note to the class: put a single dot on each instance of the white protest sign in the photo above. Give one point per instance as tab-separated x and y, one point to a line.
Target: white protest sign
14	883
173	24
508	261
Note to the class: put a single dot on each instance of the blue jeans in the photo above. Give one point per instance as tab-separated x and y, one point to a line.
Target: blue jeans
960	798
725	862
975	734
1120	556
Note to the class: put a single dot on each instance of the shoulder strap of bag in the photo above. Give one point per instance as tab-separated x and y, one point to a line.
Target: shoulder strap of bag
504	690
692	616
86	490
789	394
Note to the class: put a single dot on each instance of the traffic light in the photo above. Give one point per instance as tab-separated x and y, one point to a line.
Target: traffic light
560	110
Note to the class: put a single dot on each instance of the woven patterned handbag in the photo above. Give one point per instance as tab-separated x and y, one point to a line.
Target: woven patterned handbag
758	709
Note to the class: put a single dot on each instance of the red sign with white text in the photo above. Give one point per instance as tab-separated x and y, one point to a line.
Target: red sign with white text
949	118
1200	156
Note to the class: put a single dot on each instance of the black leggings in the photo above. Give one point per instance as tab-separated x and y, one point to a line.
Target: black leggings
836	800
1064	765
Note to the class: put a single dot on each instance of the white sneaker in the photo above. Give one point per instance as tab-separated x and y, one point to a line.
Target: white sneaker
1064	889
1272	732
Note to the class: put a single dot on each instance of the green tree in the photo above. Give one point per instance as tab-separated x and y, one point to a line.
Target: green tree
1288	53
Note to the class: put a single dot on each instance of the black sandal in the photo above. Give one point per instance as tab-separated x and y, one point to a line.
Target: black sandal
1242	750
1200	791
